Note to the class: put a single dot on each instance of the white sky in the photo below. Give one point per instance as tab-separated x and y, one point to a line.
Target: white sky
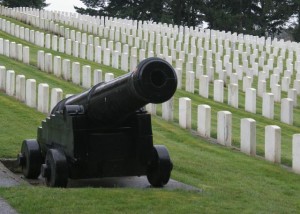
63	5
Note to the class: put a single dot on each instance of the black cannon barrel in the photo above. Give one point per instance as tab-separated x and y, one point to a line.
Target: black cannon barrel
153	81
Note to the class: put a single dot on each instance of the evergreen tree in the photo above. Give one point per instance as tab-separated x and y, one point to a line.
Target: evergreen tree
258	17
93	7
296	13
25	3
272	15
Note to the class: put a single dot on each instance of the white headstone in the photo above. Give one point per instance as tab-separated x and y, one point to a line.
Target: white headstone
90	52
31	93
248	136
179	77
75	48
19	52
233	95
10	83
61	45
224	128
108	77
69	46
97	76
2	77
43	98
273	144
48	63
54	43
56	96
82	50
66	69
190	81
185	111
204	86
57	66
106	57
151	108
250	100
124	62
204	120
26	55
48	41
285	83
292	94
86	76
219	91
276	90
20	88
297	86
13	50
98	54
133	62
76	73
287	113
115	59
268	105
296	153
247	83
168	109
261	88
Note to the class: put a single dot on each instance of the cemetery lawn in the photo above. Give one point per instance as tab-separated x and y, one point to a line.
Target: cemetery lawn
230	181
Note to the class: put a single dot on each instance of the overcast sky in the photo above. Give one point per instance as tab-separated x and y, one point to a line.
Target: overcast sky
64	5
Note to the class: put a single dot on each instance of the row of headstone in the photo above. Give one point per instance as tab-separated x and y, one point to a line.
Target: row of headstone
60	17
250	106
14	51
115	64
79	32
286	82
224	118
247	132
26	90
70	71
190	83
57	16
268	99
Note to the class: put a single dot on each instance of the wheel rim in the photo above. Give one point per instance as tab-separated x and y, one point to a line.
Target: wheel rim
31	158
57	169
159	171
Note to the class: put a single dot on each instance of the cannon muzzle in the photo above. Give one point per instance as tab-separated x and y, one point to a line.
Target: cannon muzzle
153	81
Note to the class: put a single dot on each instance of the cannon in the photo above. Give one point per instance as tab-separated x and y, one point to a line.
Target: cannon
104	131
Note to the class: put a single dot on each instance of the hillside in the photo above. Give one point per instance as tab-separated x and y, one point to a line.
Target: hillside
230	181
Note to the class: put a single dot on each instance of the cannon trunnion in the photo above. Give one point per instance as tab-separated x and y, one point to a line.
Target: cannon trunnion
104	132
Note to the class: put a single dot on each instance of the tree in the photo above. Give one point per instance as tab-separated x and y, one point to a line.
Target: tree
296	13
25	3
272	15
258	17
93	7
179	12
152	10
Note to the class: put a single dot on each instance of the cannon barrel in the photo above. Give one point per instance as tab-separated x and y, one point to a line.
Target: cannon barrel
153	81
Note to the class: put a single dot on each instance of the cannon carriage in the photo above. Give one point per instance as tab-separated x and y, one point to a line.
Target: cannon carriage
104	131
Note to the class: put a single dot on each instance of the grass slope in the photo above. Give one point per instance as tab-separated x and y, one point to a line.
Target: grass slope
231	181
287	130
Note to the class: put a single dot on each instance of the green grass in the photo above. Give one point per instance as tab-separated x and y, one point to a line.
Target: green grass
69	88
18	122
231	182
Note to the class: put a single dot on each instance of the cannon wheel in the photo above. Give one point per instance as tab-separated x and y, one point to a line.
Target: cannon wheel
30	159
159	171
55	169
